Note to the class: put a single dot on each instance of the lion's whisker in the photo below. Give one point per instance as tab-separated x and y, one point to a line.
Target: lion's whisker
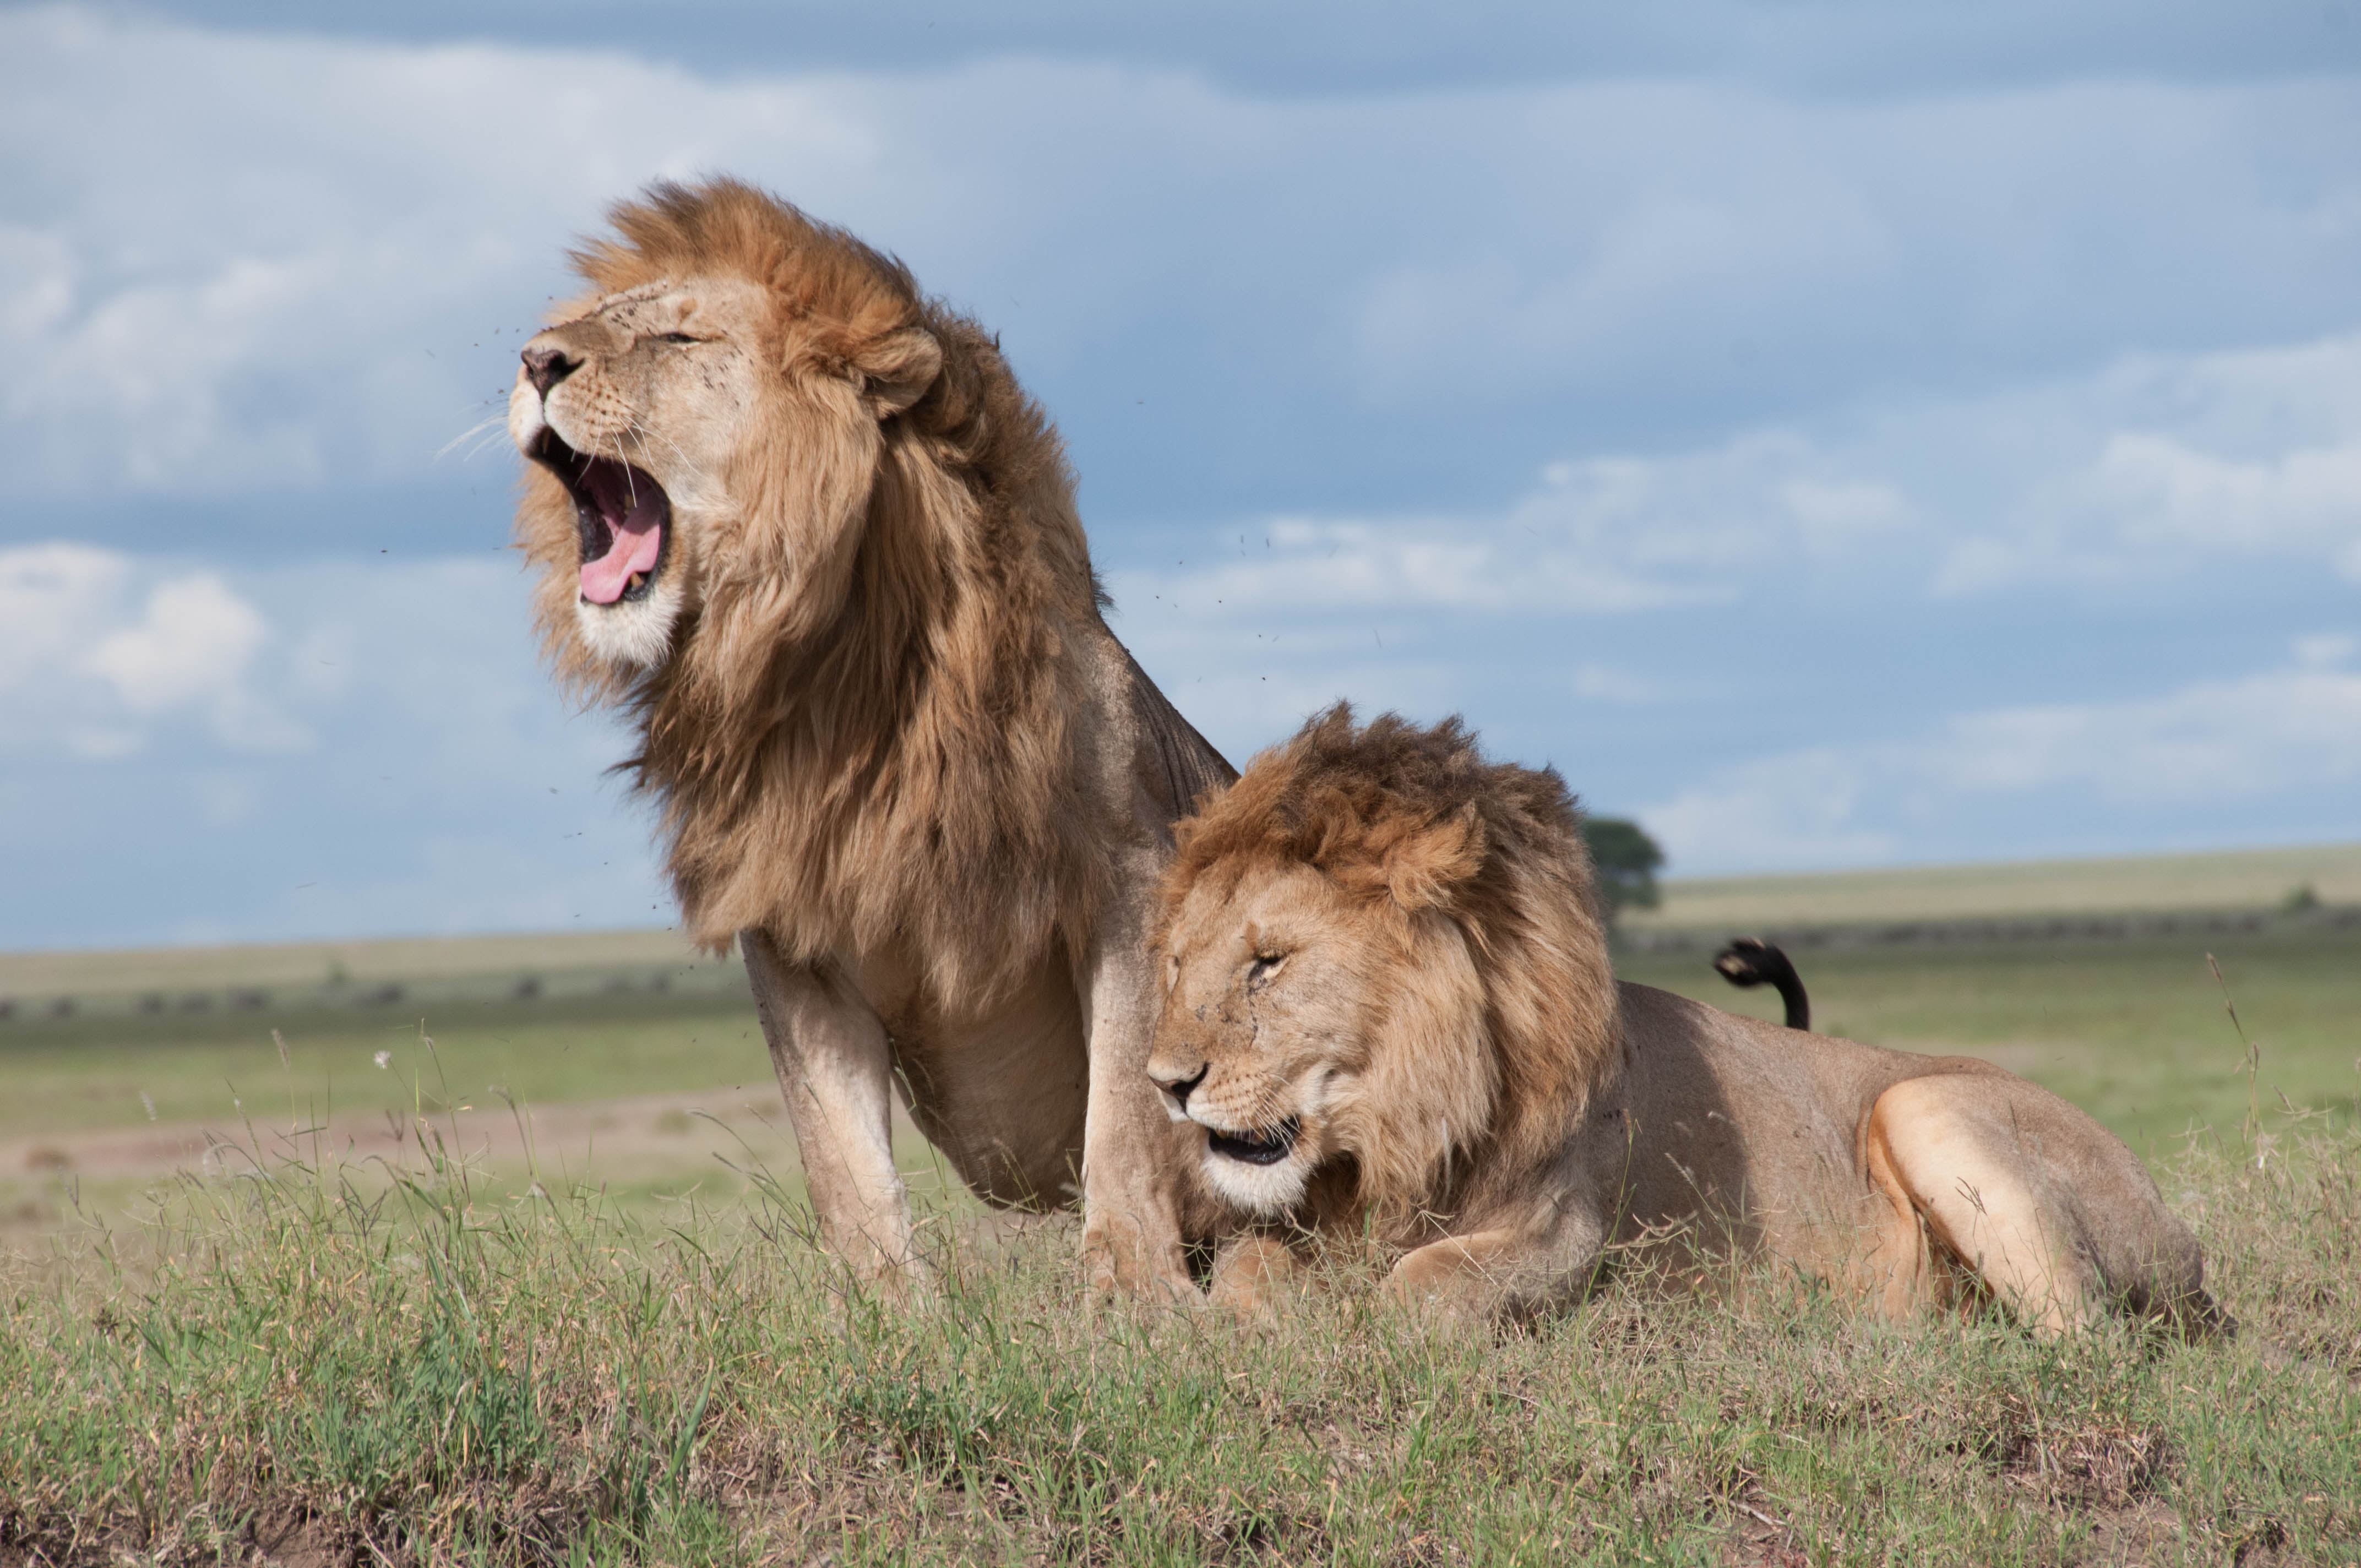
476	429
635	428
492	439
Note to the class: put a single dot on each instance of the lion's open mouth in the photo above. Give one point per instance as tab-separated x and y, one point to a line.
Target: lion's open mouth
621	514
1256	1149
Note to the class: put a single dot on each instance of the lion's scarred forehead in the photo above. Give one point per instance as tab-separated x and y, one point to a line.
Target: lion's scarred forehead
617	302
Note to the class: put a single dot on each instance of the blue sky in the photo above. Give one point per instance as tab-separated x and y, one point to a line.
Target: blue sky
1835	433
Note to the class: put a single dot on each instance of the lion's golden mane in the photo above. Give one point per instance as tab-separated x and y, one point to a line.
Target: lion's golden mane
864	729
1411	821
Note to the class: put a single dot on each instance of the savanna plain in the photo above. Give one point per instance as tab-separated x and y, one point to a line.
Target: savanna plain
495	1251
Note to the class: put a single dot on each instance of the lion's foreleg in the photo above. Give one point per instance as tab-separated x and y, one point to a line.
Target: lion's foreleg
835	1067
1510	1272
1131	1228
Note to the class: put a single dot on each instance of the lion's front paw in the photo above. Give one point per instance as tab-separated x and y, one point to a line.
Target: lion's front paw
1251	1276
1119	1260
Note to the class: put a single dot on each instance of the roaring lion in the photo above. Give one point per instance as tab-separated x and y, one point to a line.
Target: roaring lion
799	522
1388	1009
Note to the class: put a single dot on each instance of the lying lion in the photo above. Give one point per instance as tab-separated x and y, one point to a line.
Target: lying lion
799	522
1388	1007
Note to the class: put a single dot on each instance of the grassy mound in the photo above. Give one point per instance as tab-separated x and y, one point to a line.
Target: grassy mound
323	1367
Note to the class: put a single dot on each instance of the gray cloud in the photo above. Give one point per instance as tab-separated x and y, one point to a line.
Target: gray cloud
1324	46
250	263
1842	432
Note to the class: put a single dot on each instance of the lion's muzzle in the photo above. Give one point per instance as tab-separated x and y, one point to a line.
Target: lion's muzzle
621	514
1256	1149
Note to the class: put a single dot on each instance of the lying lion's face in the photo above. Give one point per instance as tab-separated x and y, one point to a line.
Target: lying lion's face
1263	1041
637	407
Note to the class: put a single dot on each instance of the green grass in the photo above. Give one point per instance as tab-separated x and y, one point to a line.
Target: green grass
419	1359
420	1376
94	1071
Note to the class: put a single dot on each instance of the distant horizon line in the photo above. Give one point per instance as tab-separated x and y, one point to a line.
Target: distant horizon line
1673	886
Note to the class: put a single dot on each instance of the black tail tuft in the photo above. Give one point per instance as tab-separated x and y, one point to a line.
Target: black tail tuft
1750	961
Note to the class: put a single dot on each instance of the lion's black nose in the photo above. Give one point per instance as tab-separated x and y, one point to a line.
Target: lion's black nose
1179	1088
545	364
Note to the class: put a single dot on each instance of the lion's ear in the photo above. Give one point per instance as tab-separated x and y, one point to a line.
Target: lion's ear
1422	867
897	368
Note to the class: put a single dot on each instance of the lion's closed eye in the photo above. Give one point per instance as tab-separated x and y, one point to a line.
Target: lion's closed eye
1265	965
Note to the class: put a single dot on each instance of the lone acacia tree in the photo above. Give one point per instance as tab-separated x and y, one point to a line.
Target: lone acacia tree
1627	859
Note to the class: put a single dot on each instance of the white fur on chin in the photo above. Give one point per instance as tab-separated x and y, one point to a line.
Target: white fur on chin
635	634
1272	1190
1265	1190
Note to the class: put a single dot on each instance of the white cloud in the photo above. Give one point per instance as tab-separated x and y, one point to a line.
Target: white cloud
1470	563
1605	536
276	252
2214	744
84	666
249	261
2150	471
2159	465
88	669
279	752
2174	494
50	595
1794	810
195	640
2325	649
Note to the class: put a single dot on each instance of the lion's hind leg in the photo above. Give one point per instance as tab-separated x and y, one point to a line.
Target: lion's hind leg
1954	1148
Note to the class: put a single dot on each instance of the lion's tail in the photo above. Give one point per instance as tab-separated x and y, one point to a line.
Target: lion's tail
1750	961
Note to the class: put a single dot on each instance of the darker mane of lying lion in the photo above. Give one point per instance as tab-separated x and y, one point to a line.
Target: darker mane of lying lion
1394	811
864	735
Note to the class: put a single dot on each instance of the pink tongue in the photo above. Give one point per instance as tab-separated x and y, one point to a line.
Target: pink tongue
638	540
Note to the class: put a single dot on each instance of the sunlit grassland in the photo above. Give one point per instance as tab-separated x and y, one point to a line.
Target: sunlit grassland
288	1365
445	1348
649	1095
112	1072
